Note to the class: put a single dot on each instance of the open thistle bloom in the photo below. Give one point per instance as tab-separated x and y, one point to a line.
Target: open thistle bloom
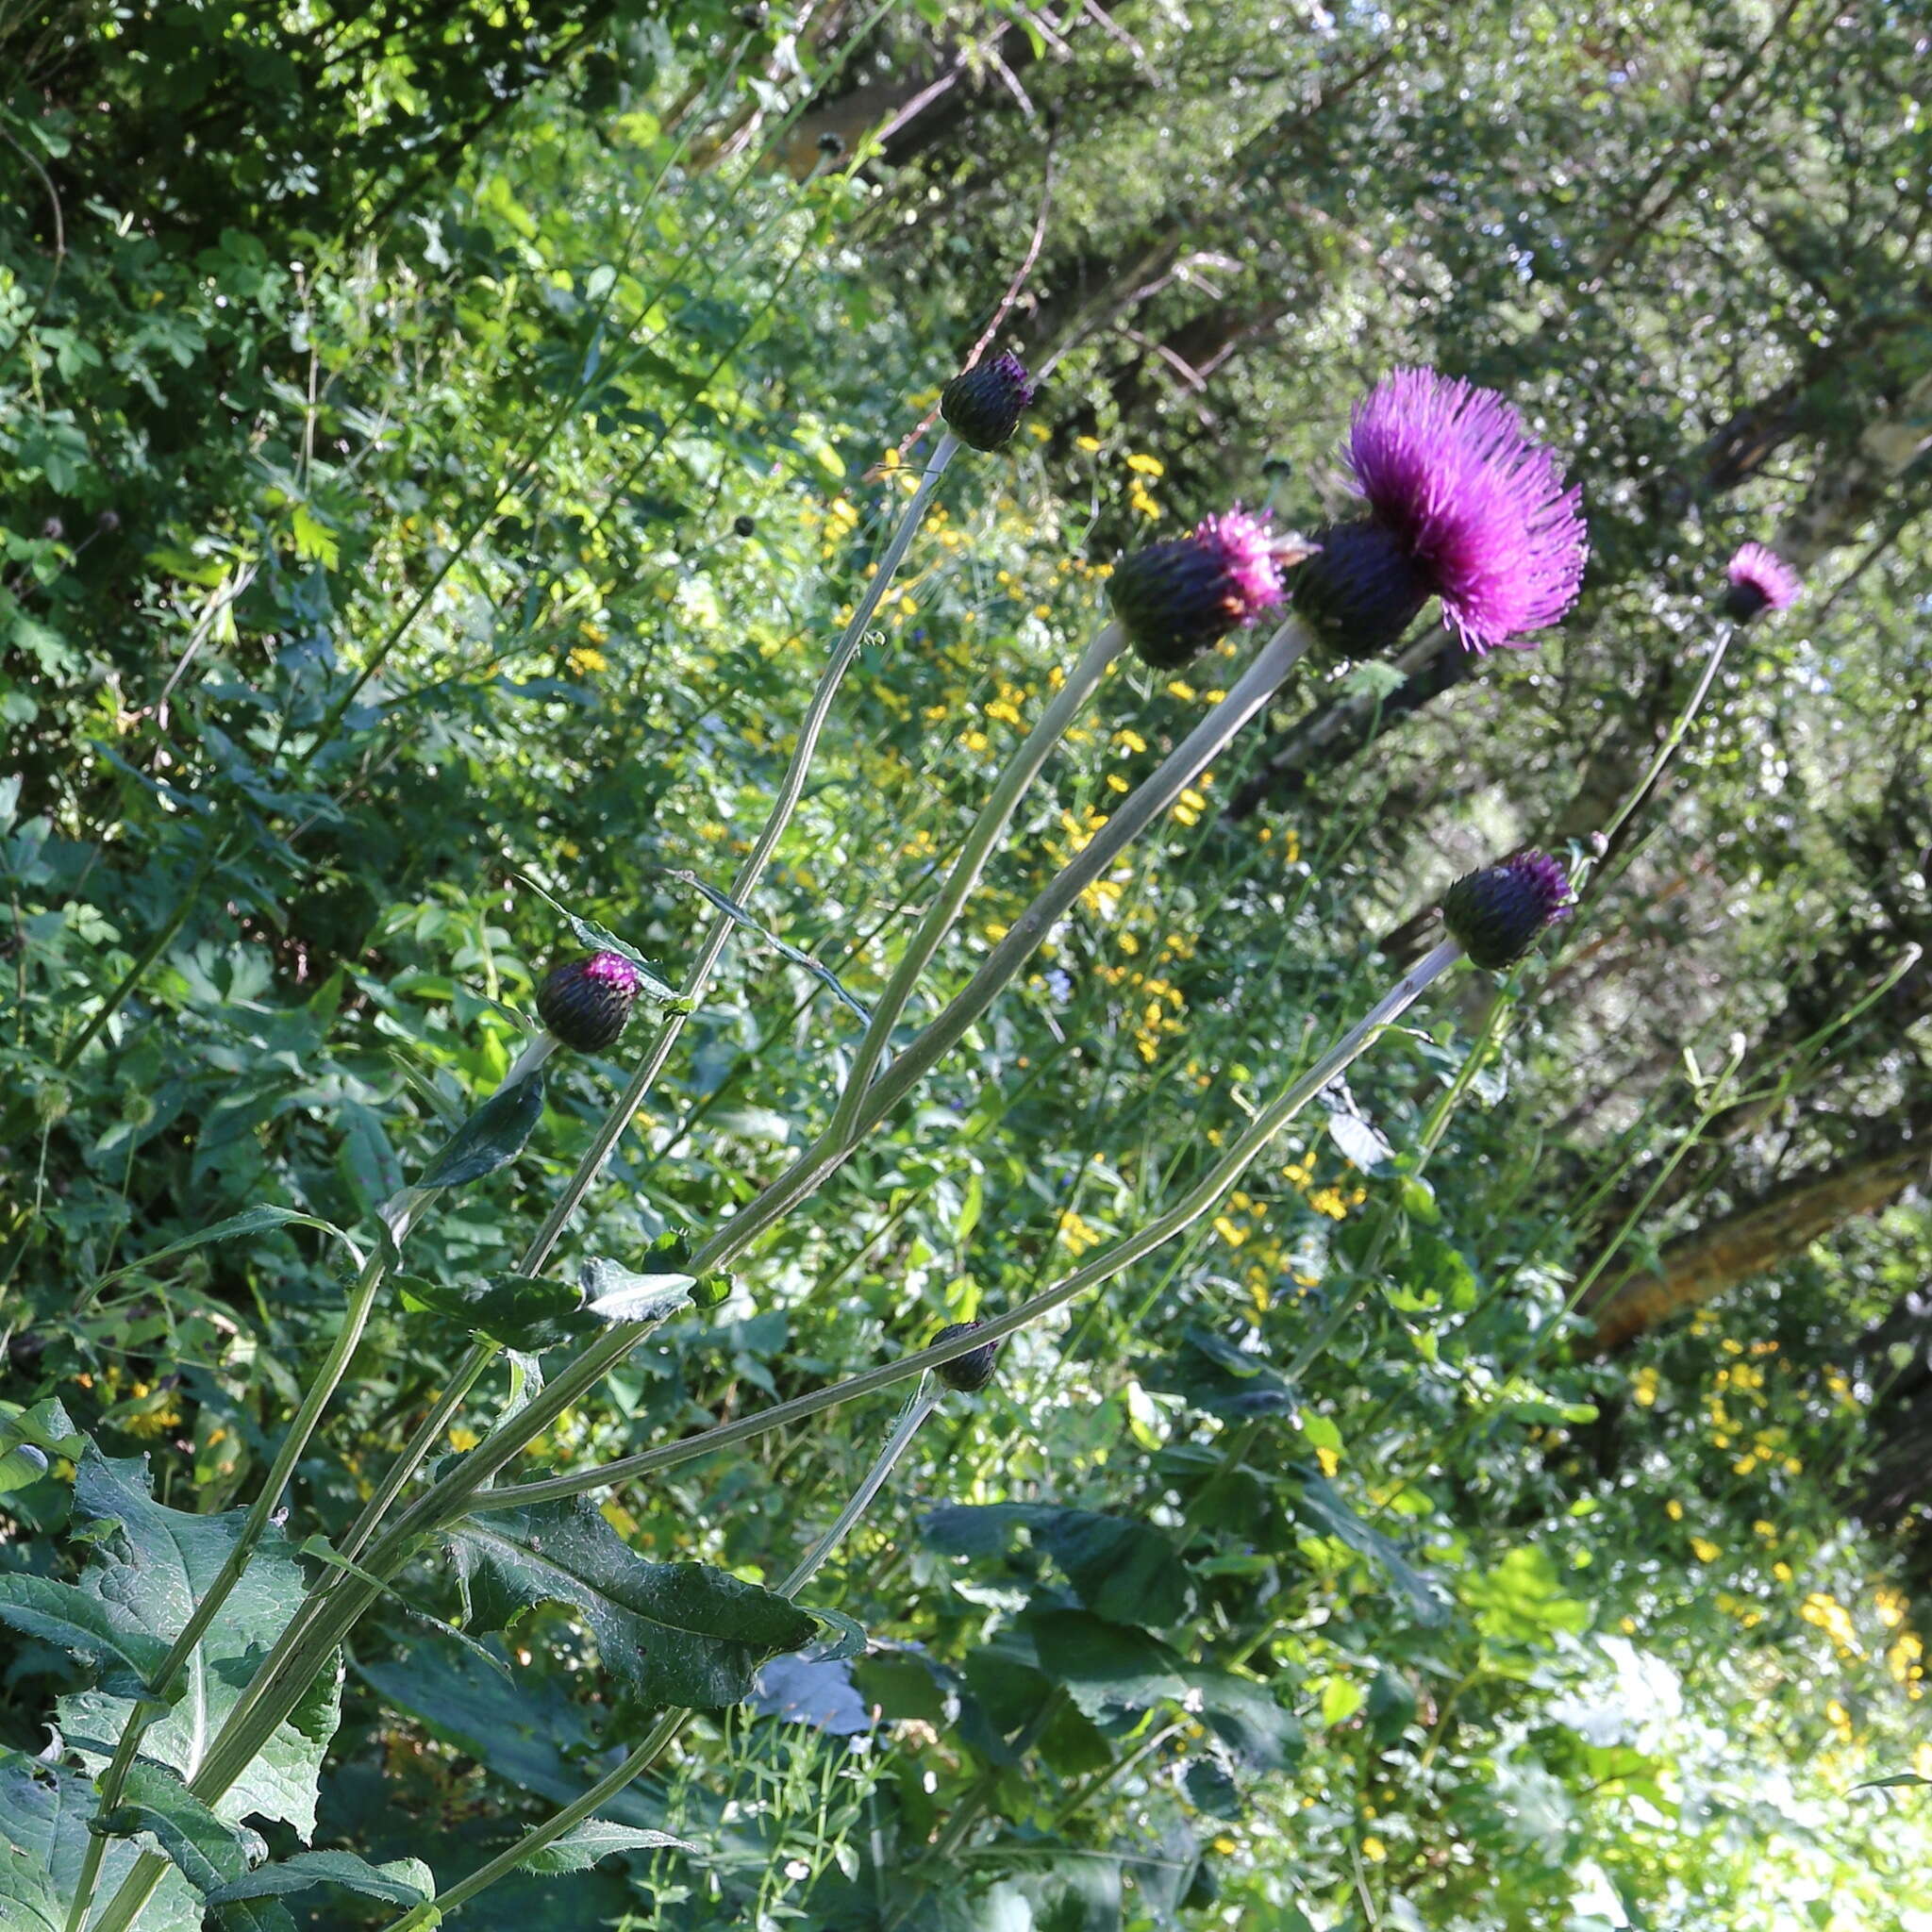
1174	599
969	1372
1761	580
587	1003
982	406
1463	505
1497	914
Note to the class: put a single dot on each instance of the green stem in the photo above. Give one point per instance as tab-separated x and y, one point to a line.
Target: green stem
213	851
790	789
1103	1267
432	1911
281	1683
114	1781
994	816
1150	800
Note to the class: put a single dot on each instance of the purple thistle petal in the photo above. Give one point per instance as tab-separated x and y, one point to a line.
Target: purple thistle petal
1244	548
1174	599
1761	580
587	1003
1480	508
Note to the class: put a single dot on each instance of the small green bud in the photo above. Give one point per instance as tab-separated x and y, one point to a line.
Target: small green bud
969	1372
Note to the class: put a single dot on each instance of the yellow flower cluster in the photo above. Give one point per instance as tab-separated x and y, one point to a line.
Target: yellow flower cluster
1831	1616
1078	1233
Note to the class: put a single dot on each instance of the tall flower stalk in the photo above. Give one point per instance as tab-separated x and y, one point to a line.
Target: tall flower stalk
140	1882
1114	1260
1460	503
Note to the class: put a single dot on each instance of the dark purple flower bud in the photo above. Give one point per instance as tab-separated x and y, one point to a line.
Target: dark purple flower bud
1462	505
1499	913
1761	580
1176	598
587	1003
109	519
982	406
1361	590
969	1372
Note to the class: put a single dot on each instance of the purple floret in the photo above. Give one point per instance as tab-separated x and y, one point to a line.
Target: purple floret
1479	507
1761	580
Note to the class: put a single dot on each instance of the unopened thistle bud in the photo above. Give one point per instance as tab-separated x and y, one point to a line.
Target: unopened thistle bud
969	1372
1761	580
1497	914
1174	599
587	1003
1460	505
982	406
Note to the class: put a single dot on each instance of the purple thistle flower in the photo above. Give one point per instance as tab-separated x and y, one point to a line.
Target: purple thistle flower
1761	580
1462	505
587	1003
1498	913
1174	599
982	405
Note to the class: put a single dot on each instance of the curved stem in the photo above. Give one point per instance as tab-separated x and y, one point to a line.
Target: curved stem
212	852
432	1911
276	1690
114	1781
1152	797
298	1636
1123	1254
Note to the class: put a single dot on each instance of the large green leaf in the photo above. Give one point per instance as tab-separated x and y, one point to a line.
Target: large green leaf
529	1733
154	1565
1212	1374
1122	1570
492	1137
256	1220
112	1637
207	1850
581	1847
1244	1715
533	1312
1320	1505
30	1439
400	1882
670	1633
44	1839
1104	1666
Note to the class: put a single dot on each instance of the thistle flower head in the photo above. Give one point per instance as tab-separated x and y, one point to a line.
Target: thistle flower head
1461	504
1174	599
1497	914
982	406
587	1003
1761	580
971	1372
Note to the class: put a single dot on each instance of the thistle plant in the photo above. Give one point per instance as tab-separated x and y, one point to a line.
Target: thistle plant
1460	505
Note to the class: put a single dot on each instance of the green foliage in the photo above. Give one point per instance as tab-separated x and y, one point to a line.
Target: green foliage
44	1825
437	450
668	1633
148	1568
